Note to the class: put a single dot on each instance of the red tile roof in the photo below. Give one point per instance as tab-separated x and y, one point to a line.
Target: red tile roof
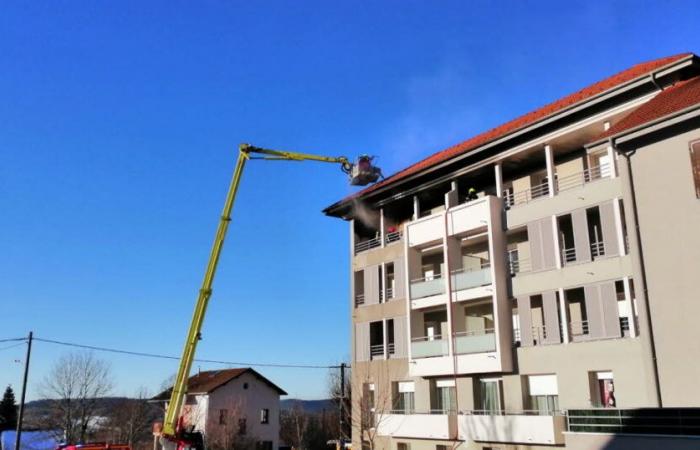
208	381
530	118
681	95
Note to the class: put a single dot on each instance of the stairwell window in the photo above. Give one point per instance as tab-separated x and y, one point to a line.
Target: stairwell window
695	165
264	416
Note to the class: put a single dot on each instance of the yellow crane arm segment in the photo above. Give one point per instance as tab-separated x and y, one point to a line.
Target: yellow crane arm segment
179	391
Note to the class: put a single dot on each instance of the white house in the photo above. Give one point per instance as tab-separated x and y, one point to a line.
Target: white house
232	403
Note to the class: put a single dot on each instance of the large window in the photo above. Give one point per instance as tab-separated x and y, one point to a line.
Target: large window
404	397
695	165
444	396
602	389
490	395
544	393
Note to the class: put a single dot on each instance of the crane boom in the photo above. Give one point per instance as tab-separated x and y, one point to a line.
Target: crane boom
177	397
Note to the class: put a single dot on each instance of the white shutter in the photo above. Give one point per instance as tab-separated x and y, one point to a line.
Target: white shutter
445	383
543	385
407	386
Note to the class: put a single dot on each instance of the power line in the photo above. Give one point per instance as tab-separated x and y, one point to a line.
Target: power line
159	356
13	339
11	346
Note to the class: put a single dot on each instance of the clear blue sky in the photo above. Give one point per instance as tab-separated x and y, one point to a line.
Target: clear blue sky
118	128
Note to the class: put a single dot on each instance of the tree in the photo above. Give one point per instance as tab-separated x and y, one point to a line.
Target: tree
8	410
130	421
293	425
230	431
369	408
75	383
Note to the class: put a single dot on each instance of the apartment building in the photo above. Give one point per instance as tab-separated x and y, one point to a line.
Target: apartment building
535	286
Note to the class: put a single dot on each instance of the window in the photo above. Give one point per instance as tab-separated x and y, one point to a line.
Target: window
389	274
440	447
222	416
602	389
264	416
695	165
403	446
242	427
369	392
391	347
490	395
404	397
444	396
264	445
544	393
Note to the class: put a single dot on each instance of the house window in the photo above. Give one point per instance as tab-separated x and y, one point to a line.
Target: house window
490	395
695	164
440	447
403	446
222	416
404	397
544	393
602	389
264	416
444	397
242	426
264	445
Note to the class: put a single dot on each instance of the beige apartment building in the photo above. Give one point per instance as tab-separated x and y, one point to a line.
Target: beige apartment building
536	286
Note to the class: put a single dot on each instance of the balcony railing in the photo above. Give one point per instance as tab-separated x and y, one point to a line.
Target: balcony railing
366	245
476	341
394	236
359	299
578	328
518	265
516	335
541	332
427	286
376	350
391	348
657	421
568	255
428	346
389	293
526	196
471	278
581	178
597	249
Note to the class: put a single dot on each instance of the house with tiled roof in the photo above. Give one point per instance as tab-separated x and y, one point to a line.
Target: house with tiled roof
229	406
535	286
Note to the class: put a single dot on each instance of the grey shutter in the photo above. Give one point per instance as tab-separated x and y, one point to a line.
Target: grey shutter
609	229
551	317
581	241
525	321
399	278
611	315
400	337
594	312
371	285
362	341
535	239
547	242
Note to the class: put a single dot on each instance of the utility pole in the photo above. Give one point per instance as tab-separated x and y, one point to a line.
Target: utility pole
20	416
341	408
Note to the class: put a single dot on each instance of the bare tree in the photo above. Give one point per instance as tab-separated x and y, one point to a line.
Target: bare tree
230	431
370	407
294	425
76	382
130	421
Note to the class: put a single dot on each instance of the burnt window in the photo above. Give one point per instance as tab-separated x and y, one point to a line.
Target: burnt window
695	165
242	427
222	416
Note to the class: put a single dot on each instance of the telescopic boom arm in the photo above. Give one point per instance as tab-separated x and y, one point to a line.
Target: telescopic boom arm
172	414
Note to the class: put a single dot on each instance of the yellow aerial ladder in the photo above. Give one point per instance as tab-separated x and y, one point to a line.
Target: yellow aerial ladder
361	173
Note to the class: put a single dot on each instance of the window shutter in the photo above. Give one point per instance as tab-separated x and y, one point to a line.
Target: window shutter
581	241
594	313
400	337
534	237
525	321
399	279
551	317
609	229
362	341
371	285
608	305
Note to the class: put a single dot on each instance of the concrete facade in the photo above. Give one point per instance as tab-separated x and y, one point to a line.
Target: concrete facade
491	322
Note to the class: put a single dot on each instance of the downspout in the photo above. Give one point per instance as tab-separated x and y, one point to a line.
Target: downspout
645	290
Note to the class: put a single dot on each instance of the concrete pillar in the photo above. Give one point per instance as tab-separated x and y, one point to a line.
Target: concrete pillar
498	171
630	306
564	317
416	207
549	159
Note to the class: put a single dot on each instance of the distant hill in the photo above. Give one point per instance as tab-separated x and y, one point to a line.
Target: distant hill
312	406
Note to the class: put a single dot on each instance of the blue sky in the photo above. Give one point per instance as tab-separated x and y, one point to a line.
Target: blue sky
118	128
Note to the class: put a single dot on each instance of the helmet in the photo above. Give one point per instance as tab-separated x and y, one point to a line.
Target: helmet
472	191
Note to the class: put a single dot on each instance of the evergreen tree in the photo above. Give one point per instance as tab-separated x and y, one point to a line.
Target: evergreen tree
8	410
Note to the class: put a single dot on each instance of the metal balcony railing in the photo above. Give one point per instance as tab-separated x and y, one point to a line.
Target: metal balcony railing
624	324
427	286
394	236
517	198
568	255
368	244
540	333
581	178
359	299
467	278
376	350
516	264
597	249
508	412
516	335
657	421
578	328
389	293
391	348
475	341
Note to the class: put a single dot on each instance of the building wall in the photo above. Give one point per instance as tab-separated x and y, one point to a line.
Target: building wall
242	402
669	221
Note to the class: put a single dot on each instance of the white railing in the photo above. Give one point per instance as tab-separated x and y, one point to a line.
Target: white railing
389	293
526	196
427	286
540	333
597	249
516	335
516	264
376	350
581	178
366	245
568	255
359	299
467	278
475	341
578	328
391	348
427	346
394	236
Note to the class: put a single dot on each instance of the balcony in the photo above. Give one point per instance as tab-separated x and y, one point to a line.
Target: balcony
578	331
376	351
582	178
521	427
470	278
511	199
427	286
469	216
394	236
367	245
359	300
416	425
428	346
642	421
478	341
